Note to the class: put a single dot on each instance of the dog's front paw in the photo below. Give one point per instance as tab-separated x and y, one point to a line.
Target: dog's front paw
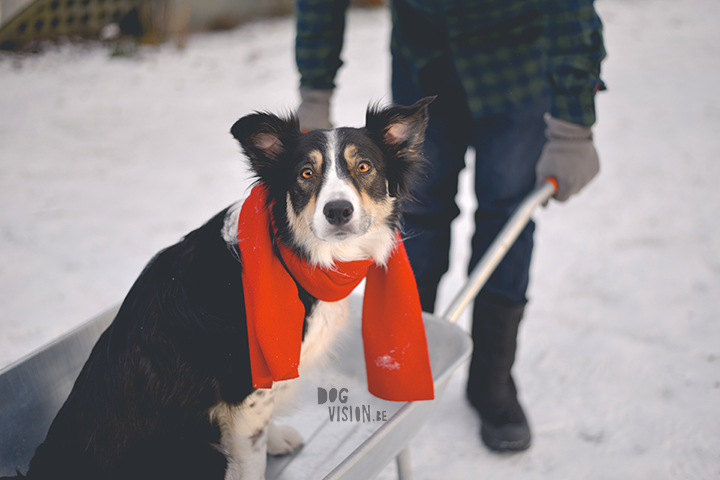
282	439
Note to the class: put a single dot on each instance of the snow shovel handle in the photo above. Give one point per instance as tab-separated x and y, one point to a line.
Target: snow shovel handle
499	247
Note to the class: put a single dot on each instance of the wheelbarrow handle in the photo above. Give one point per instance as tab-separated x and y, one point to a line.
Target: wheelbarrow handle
499	247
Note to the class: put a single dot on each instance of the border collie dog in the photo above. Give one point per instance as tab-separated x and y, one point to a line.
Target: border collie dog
167	392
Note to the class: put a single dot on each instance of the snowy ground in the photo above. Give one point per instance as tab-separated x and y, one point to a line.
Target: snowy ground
103	161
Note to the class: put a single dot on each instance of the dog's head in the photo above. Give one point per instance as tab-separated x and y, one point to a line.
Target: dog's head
335	193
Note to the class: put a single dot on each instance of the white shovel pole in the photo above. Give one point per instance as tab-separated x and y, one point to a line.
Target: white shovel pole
499	247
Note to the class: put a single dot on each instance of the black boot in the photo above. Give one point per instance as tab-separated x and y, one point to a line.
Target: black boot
491	389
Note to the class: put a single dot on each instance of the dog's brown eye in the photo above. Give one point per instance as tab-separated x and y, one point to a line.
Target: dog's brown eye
307	173
364	167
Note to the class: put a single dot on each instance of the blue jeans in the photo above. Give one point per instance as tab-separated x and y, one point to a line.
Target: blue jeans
507	148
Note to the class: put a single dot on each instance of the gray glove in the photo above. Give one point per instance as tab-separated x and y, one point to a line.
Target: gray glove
569	155
314	110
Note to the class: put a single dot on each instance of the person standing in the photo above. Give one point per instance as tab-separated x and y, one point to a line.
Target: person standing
515	80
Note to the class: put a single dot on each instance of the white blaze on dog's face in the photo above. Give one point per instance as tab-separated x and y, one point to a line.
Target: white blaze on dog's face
338	213
336	192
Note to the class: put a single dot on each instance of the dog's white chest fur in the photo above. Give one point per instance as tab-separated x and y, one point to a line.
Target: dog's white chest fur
327	320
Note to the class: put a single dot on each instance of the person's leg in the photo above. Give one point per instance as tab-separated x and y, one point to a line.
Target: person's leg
427	217
507	149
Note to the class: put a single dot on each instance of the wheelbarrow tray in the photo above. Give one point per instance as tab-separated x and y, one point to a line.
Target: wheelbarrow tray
357	447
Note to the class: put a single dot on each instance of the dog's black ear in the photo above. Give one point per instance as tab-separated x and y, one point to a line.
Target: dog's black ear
401	131
264	138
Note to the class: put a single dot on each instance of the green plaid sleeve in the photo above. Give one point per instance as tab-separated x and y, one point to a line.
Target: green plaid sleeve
575	51
319	41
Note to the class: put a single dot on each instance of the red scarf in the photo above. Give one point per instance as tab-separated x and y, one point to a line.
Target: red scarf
396	355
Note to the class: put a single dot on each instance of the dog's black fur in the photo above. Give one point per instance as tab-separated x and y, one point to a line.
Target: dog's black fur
177	346
142	406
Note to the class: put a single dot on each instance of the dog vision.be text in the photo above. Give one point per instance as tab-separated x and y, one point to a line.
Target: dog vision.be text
348	413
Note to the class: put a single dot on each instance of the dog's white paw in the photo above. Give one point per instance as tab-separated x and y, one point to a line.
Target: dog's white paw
282	439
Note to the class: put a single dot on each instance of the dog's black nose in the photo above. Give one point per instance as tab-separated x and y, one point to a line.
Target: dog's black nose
338	212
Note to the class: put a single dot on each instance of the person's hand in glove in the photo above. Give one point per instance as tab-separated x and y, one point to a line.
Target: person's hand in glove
314	110
568	155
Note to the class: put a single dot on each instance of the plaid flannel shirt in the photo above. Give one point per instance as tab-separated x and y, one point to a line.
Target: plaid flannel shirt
506	52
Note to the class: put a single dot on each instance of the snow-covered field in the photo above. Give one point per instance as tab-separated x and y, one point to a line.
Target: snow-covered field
103	161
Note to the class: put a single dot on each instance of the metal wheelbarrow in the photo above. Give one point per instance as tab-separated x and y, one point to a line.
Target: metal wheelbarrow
349	434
